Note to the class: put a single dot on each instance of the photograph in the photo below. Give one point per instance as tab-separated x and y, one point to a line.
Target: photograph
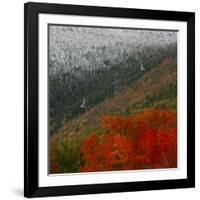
109	99
112	99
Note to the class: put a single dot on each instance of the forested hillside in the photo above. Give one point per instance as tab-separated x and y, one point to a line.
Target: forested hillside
113	99
113	64
156	89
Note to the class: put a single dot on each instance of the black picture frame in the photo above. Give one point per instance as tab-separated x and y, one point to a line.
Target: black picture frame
31	170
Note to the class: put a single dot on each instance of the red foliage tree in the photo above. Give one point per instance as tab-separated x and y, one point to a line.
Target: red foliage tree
145	140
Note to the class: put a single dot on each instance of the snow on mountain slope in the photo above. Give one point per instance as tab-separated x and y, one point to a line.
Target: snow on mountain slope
89	48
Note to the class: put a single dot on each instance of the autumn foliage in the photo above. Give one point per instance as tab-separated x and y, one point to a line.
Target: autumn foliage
143	141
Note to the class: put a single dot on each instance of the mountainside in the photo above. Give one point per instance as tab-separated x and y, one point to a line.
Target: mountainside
155	89
69	89
91	48
112	99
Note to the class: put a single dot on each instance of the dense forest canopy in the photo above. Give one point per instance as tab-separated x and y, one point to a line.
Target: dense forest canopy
90	48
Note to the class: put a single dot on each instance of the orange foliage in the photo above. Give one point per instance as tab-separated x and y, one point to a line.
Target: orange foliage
146	140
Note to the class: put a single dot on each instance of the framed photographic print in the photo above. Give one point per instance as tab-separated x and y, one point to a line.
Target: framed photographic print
109	99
